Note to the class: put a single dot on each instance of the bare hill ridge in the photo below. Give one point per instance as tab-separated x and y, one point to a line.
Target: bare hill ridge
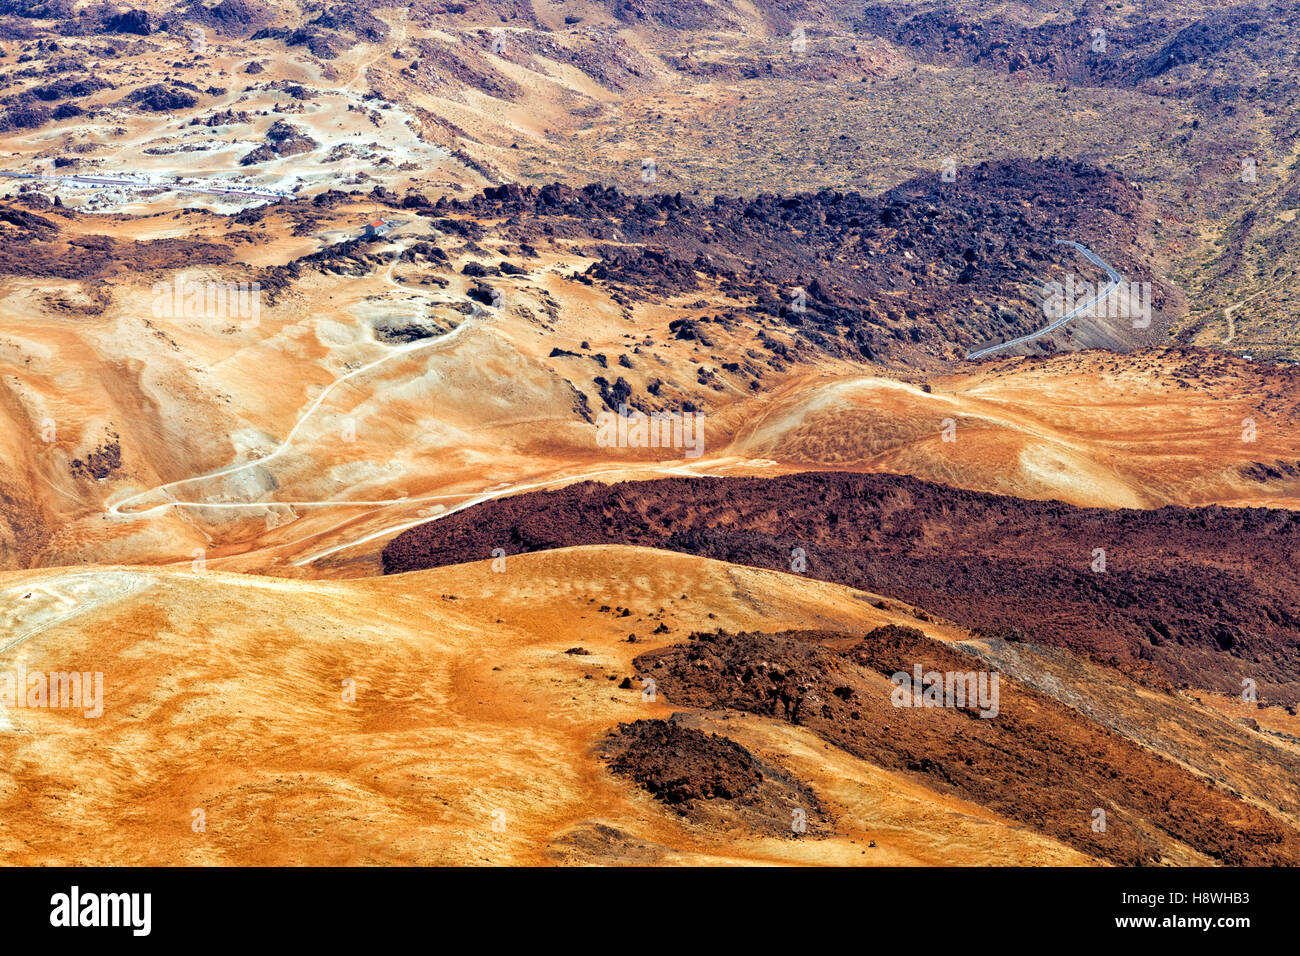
1197	597
533	664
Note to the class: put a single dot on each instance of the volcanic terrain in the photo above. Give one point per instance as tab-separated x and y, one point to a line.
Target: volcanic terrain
316	320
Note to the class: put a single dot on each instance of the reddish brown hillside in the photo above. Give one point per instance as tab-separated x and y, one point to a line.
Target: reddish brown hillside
1197	596
1035	760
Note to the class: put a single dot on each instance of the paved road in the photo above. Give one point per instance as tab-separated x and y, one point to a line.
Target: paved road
1115	280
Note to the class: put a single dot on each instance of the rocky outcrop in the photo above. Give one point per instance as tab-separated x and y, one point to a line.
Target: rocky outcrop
1194	597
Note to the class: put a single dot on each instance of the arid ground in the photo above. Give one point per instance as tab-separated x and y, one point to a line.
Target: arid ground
525	432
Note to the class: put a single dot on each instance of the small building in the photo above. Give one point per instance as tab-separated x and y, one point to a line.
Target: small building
377	228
